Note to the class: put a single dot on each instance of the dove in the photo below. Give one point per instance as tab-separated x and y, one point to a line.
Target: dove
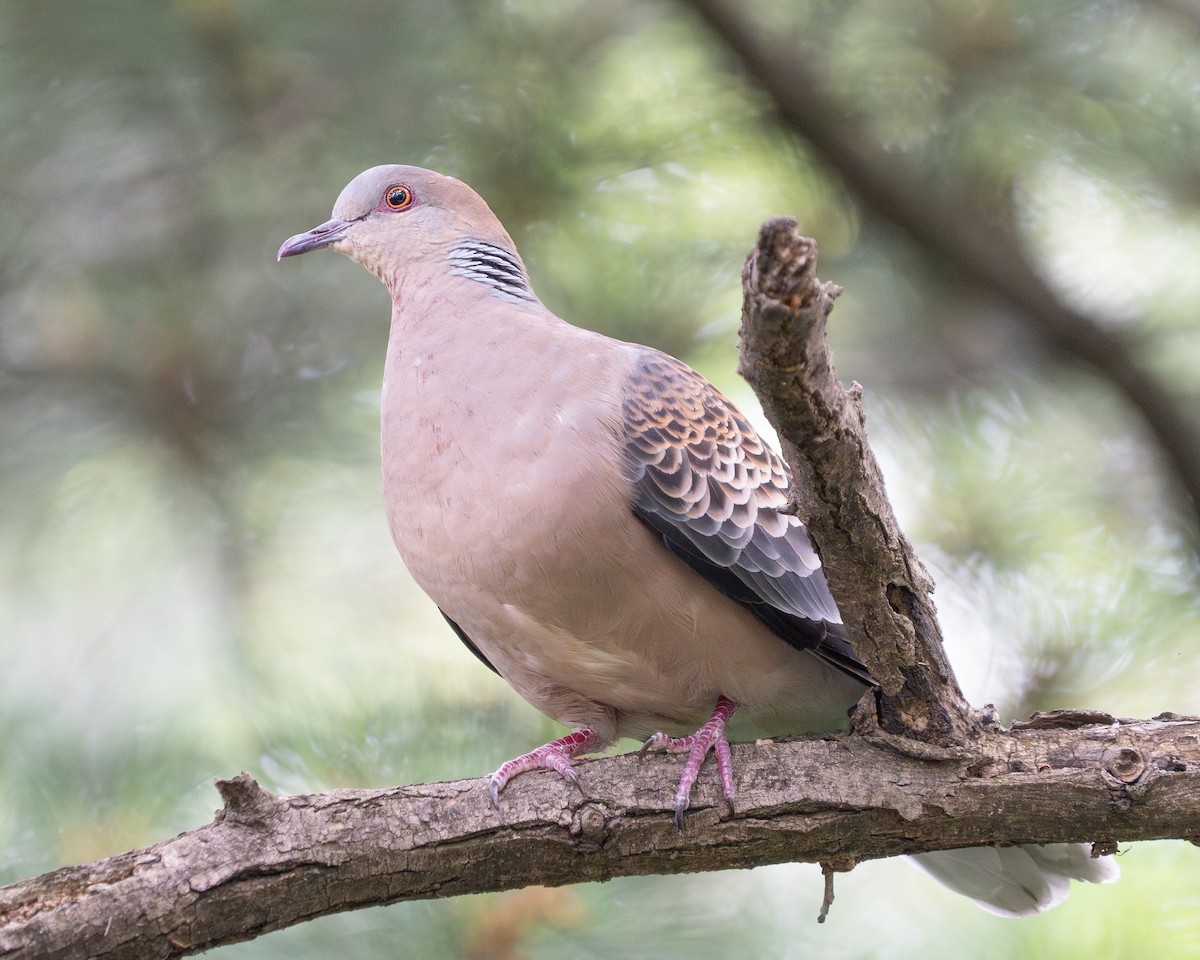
599	525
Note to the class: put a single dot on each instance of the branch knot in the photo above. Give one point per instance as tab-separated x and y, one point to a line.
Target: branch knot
245	801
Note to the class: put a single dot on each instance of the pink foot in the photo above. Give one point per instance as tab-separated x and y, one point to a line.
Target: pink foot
556	755
711	736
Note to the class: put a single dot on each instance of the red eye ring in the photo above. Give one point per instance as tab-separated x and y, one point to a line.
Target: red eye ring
398	196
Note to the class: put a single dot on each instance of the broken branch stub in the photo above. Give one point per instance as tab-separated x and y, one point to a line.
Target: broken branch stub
882	589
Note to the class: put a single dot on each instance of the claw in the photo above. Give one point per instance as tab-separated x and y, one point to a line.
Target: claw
711	736
660	741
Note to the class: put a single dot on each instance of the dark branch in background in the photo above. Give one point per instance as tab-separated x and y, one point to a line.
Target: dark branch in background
942	219
269	862
1181	13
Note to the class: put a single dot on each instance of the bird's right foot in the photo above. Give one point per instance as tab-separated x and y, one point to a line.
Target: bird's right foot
711	736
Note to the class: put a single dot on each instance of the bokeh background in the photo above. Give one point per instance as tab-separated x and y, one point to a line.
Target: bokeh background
195	573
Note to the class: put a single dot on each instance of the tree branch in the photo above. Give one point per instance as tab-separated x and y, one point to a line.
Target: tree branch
948	223
882	590
269	862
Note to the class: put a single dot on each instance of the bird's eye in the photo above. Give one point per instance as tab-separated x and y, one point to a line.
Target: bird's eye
398	196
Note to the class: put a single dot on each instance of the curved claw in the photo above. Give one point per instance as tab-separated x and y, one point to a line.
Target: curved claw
660	741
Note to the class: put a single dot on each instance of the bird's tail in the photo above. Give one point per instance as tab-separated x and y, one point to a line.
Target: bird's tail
1017	881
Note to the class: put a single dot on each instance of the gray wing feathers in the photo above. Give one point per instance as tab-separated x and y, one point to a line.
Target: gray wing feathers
705	481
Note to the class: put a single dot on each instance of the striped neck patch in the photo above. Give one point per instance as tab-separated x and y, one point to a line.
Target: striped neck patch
488	263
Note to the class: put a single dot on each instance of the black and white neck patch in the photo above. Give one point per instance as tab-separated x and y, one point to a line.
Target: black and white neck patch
488	263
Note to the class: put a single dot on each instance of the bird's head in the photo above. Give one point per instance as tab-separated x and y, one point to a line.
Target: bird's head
392	215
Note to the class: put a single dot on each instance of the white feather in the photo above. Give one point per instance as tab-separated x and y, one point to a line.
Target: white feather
1017	881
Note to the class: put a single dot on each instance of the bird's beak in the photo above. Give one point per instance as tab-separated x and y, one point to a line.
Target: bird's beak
326	234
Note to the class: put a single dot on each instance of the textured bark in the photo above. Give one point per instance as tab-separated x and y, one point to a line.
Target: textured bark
882	590
268	862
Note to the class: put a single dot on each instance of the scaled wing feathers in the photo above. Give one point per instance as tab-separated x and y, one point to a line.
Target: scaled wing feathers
708	485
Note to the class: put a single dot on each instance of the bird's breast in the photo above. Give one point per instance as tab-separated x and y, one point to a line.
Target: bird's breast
488	455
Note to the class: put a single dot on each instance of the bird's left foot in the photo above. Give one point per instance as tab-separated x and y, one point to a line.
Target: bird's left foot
558	755
711	736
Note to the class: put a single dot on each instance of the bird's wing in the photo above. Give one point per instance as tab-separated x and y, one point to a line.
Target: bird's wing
706	483
470	644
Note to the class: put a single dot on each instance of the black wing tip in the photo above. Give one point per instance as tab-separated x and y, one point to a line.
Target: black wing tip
470	645
823	638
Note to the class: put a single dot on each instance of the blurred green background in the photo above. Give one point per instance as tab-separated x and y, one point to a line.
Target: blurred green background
196	577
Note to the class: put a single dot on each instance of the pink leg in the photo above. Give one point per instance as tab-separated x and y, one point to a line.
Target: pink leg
556	755
711	736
